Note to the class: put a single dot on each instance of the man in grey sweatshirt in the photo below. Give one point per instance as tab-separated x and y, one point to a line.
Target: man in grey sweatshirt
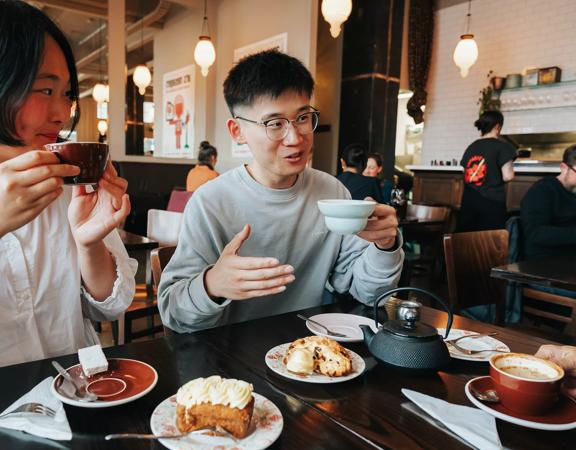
253	242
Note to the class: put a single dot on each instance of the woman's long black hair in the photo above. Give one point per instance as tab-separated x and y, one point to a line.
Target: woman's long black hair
23	30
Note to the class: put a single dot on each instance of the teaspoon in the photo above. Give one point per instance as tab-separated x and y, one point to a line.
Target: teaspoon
488	396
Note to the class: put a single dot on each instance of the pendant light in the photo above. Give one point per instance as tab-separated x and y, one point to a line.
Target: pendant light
142	76
336	12
466	52
102	127
100	90
204	53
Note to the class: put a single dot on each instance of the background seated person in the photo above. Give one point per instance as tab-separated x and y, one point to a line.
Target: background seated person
221	274
353	163
204	170
374	169
548	212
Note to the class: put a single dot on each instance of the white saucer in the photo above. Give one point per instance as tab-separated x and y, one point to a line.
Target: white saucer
274	360
265	427
348	324
481	343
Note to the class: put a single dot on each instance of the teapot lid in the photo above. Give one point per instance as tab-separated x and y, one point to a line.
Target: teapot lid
402	328
410	327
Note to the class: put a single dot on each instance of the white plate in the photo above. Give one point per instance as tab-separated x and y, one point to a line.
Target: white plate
265	427
481	343
543	423
348	324
274	361
138	378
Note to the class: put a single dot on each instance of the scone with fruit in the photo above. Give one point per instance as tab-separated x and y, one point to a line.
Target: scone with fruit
318	354
215	402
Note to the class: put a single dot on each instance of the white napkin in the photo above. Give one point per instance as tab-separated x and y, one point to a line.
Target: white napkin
56	427
475	426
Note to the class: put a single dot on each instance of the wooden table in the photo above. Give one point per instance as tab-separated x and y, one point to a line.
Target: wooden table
135	241
366	413
556	272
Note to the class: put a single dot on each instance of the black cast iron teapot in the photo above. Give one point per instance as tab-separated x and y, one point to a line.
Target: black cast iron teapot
407	343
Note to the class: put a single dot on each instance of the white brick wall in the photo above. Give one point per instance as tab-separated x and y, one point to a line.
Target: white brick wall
511	35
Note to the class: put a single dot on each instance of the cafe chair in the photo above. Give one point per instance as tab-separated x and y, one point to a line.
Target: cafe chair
178	200
531	302
469	258
159	258
428	237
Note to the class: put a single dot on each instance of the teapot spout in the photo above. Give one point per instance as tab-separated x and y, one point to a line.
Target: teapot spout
368	334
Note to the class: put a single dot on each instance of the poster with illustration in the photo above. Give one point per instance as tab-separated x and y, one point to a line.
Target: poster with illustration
178	113
278	42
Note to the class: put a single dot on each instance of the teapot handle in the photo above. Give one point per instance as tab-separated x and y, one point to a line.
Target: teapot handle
412	289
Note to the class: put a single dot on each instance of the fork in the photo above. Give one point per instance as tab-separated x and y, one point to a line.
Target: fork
218	429
471	336
329	332
35	408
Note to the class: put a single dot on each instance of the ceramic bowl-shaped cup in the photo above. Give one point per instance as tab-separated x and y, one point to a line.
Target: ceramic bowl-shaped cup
526	384
91	157
346	216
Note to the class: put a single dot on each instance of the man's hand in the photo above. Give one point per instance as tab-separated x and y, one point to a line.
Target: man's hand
382	226
239	278
565	357
28	184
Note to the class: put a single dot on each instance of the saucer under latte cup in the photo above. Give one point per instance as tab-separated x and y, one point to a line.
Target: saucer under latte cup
526	384
346	216
90	157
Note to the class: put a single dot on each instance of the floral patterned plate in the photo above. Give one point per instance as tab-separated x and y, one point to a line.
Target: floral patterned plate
265	427
274	360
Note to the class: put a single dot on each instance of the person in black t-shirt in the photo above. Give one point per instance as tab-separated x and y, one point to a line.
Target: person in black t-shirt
548	212
488	165
353	162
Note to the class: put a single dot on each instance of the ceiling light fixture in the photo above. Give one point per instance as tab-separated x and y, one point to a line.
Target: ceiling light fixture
204	53
102	127
336	12
100	91
466	52
142	76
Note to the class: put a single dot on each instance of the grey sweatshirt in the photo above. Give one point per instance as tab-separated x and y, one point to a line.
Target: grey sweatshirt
286	224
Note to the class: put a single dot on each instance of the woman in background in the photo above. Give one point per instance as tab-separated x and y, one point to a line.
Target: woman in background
374	169
353	163
488	164
62	262
204	170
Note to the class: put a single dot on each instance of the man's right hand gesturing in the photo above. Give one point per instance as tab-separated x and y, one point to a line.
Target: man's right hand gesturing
237	277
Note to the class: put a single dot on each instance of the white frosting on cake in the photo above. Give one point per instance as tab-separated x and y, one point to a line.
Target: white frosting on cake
215	390
93	360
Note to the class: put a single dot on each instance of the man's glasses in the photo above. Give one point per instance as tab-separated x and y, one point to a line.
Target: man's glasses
277	128
571	168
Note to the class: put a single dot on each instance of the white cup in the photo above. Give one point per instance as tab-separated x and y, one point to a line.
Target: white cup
346	216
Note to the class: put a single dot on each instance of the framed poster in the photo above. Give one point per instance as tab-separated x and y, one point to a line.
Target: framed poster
178	114
278	42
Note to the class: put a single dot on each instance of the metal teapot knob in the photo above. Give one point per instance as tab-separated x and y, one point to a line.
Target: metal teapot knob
409	311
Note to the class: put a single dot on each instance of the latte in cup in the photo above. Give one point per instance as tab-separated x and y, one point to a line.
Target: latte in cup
526	384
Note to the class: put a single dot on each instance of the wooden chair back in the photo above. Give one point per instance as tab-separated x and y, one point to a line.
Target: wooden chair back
439	213
469	259
159	258
164	226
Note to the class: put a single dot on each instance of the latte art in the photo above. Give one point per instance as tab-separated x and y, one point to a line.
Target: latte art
526	372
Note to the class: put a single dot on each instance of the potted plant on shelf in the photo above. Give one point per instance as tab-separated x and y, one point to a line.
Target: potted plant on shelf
489	97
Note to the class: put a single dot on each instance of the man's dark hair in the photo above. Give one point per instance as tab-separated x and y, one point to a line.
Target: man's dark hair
205	153
266	74
488	120
355	155
23	29
569	156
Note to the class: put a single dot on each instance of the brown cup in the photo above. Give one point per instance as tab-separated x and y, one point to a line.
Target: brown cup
526	384
91	157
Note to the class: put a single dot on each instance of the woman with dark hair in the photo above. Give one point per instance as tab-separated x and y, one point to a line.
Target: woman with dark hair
204	170
488	164
62	263
374	169
353	163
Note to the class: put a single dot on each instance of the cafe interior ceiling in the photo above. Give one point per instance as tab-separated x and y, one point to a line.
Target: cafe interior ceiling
85	24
